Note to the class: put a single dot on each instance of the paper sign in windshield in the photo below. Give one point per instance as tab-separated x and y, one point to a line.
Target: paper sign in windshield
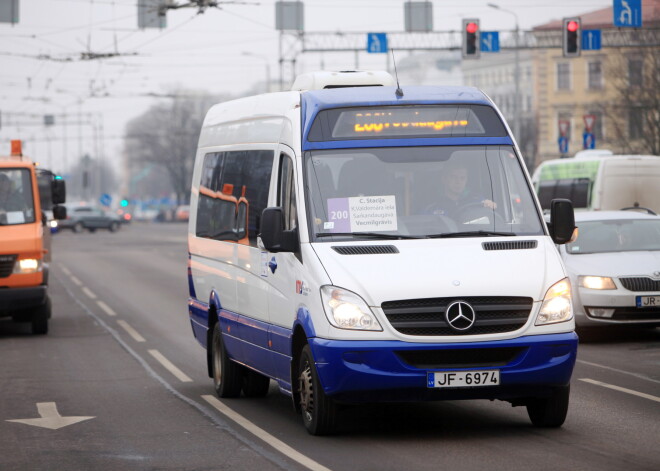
362	214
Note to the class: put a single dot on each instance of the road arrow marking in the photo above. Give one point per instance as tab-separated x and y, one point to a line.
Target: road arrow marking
50	418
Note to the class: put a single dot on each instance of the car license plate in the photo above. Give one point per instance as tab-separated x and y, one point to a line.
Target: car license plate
463	379
648	301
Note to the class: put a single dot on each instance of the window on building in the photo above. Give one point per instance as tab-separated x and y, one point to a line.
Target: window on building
636	123
635	72
563	76
595	75
597	128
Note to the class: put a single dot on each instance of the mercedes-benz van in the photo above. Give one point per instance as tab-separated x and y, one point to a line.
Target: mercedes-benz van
373	243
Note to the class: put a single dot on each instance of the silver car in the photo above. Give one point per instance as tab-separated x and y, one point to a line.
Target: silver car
614	268
89	218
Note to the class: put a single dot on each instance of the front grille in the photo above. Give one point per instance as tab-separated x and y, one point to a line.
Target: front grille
460	358
7	265
510	245
493	315
365	249
641	283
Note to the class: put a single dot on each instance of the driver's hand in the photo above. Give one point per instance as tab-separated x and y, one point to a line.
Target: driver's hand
489	204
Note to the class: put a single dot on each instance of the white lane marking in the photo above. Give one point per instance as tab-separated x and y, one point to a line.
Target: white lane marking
108	310
65	270
265	436
75	280
222	424
131	331
619	388
88	292
629	373
169	366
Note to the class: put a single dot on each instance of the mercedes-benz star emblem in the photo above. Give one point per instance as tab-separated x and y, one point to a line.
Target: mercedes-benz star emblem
460	315
656	273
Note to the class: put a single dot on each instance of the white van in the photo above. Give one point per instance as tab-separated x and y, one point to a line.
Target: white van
598	180
376	244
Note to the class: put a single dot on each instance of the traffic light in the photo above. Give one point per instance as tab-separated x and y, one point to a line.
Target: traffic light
571	37
471	39
123	203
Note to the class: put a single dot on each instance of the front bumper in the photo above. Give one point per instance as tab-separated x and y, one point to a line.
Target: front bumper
382	371
621	300
13	300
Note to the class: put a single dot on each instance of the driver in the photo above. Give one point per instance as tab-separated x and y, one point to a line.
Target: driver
453	194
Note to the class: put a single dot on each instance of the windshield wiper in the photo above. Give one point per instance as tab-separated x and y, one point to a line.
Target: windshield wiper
447	235
366	234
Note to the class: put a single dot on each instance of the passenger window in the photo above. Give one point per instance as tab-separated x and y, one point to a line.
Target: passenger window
233	192
286	198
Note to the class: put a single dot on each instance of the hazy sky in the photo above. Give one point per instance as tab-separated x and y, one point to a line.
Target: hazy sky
195	51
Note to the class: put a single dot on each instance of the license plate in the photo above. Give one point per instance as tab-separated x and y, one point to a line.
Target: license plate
648	301
463	379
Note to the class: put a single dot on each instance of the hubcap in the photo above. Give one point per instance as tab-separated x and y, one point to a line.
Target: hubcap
217	363
306	392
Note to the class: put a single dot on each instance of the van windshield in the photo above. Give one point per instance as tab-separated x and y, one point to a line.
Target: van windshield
410	192
16	202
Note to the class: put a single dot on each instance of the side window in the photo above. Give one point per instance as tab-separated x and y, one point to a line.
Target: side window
286	195
232	194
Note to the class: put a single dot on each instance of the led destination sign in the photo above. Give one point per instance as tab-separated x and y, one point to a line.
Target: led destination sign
406	122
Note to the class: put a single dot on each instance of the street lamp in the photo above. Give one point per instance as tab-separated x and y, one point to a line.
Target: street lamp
516	100
265	58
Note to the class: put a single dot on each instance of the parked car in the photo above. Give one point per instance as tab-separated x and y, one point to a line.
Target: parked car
90	218
614	268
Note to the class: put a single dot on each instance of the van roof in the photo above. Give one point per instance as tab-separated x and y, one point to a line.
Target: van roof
378	96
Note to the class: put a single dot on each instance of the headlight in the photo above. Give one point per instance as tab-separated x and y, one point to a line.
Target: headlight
596	282
52	223
556	305
27	265
346	310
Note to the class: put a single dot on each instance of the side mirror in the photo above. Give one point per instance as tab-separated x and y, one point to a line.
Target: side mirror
562	221
273	235
58	191
59	212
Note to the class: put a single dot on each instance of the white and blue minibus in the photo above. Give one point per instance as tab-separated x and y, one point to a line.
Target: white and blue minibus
360	242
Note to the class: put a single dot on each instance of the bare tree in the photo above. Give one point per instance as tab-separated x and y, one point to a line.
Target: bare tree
166	135
634	110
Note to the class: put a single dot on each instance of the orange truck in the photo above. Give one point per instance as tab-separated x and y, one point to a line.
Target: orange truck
25	193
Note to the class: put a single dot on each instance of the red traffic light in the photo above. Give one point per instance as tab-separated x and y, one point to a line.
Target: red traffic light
572	26
471	27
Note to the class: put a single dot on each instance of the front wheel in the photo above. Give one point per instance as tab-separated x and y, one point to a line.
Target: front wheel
40	318
227	375
319	412
550	412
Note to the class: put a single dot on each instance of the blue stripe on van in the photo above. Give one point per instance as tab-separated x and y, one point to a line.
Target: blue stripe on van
444	141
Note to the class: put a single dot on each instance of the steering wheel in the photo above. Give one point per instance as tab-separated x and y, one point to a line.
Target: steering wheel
476	210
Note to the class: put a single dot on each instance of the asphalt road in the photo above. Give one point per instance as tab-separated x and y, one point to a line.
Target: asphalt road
120	355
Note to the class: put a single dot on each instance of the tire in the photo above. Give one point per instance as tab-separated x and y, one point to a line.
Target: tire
319	412
40	319
255	384
78	227
92	230
550	412
227	375
113	227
